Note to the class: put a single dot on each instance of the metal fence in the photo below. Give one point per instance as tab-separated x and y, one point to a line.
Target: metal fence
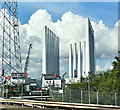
86	97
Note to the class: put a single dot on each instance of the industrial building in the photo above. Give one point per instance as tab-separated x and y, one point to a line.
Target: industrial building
50	55
82	55
20	78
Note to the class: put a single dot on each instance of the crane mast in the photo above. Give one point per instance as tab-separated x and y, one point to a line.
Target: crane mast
27	59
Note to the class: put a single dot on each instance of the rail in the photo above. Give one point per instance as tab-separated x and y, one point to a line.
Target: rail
48	104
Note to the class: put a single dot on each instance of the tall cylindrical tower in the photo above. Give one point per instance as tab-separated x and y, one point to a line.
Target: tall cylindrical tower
79	60
84	59
74	61
70	61
88	55
45	51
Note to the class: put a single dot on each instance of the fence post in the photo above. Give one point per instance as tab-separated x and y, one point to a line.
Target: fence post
115	99
81	95
58	96
41	94
97	98
89	95
70	95
62	95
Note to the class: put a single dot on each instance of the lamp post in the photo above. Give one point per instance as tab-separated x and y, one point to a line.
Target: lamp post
89	84
41	85
2	83
6	88
40	61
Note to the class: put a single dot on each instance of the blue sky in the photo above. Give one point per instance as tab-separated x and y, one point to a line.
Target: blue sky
106	11
96	11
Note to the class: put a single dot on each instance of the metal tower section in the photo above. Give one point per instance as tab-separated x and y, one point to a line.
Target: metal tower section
9	36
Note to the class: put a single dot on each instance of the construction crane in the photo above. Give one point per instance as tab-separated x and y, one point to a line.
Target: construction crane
64	74
27	59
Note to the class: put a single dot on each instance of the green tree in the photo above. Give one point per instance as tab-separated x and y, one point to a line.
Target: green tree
106	81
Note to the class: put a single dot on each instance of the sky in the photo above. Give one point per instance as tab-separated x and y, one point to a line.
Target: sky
67	20
96	11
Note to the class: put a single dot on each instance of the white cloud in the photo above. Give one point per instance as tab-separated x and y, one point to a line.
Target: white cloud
62	69
63	61
70	28
34	72
107	66
98	68
106	40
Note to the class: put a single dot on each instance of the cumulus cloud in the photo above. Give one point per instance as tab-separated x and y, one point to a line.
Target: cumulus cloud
63	60
34	72
70	28
106	40
62	69
107	66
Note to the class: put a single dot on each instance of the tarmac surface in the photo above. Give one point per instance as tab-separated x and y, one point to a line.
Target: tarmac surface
14	107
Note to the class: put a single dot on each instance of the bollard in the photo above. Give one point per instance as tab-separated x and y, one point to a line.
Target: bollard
6	103
22	105
32	105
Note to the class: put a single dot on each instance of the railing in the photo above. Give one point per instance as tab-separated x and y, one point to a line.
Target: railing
82	96
61	105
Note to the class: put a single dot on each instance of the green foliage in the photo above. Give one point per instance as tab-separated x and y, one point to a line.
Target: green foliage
105	81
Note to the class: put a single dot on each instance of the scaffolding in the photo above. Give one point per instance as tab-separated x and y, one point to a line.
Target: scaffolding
9	38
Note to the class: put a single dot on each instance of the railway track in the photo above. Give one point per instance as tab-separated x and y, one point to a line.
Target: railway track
47	104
